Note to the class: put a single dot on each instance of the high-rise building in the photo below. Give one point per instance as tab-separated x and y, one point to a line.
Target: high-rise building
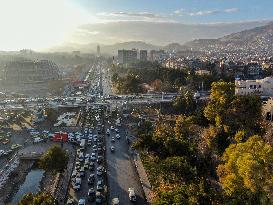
98	50
127	56
143	55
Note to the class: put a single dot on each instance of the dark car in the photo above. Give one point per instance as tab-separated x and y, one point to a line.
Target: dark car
91	179
91	195
100	159
92	166
99	198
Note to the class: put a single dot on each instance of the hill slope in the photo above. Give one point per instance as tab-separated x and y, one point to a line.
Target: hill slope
257	40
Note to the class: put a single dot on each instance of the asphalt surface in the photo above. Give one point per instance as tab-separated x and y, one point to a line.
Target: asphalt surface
121	172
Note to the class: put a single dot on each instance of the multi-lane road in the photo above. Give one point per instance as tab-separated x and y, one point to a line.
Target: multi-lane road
121	172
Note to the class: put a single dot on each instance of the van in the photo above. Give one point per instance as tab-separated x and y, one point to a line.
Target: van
132	195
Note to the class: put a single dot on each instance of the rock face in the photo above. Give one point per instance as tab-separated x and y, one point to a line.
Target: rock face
258	40
27	71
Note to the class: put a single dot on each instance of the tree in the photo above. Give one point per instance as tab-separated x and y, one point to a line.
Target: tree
221	97
38	199
189	194
184	103
55	159
247	168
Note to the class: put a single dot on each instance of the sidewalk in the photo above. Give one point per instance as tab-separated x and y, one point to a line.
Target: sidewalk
146	186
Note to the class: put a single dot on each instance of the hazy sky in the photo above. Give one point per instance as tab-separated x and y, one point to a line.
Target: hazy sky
38	24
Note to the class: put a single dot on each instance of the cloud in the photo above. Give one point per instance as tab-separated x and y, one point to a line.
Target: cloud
213	11
131	14
204	13
178	12
231	10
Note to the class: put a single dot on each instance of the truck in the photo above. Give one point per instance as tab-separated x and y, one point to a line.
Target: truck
60	137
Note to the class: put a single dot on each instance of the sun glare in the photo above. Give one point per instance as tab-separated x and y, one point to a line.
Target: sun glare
37	24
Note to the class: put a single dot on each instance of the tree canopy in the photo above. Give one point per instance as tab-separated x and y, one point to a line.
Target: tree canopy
55	159
38	199
247	167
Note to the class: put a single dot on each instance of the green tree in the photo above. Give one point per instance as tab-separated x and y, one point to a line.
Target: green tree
247	168
221	97
55	159
38	199
184	103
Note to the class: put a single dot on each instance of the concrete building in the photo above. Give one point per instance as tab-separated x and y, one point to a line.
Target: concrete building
143	55
27	71
263	87
127	56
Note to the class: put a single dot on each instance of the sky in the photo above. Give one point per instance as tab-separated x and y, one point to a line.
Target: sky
39	24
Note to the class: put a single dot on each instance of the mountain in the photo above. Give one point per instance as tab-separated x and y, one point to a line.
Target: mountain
256	40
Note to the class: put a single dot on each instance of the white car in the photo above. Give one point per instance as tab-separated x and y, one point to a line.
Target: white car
118	136
37	139
112	148
81	202
112	128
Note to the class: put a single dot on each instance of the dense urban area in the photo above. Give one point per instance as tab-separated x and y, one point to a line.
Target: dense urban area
185	125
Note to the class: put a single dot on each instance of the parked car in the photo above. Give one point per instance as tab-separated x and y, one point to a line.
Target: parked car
112	148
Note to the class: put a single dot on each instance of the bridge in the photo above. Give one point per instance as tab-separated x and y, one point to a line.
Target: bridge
30	156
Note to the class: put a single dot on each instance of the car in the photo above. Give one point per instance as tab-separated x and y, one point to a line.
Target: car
99	150
100	170
82	172
118	136
100	159
77	184
113	139
93	156
112	148
92	166
81	202
95	148
132	195
37	140
86	165
112	128
100	186
91	179
115	201
91	195
87	156
117	131
99	198
108	132
89	142
70	202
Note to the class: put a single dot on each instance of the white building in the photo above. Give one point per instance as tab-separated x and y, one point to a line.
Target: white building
263	87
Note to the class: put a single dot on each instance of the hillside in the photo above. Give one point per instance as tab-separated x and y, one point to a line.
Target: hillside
256	40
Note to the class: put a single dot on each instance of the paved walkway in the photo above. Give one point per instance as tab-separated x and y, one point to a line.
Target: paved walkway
147	188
